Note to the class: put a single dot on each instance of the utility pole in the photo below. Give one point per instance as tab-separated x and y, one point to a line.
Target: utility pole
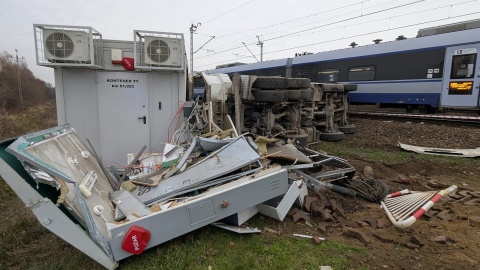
19	81
193	28
260	43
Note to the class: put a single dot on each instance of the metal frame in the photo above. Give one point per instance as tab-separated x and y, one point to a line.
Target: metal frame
52	218
139	52
96	60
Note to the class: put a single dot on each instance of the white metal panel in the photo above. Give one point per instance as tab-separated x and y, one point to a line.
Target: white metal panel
80	102
122	104
52	218
456	100
164	104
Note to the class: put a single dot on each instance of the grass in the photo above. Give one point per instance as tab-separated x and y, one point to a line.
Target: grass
220	249
358	149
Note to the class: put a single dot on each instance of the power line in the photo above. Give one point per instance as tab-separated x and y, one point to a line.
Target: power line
227	12
354	36
385	18
328	11
295	34
349	19
5	46
344	20
292	20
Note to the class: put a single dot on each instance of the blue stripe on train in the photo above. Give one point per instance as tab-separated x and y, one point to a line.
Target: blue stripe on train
408	98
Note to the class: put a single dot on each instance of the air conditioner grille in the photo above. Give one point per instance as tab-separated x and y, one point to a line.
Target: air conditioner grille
158	50
59	45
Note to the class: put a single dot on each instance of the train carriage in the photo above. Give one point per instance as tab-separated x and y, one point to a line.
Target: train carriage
440	68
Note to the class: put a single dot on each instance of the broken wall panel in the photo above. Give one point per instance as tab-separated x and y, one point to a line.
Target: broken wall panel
211	206
229	158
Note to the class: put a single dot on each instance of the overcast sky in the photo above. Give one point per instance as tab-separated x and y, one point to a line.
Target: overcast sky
285	27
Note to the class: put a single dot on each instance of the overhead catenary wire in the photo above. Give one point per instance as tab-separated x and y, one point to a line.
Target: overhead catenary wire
343	38
381	19
289	21
225	13
332	23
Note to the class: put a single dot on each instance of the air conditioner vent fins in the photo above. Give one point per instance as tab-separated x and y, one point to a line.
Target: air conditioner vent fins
158	51
59	45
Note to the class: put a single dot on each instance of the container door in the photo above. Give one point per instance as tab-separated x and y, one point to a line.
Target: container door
123	114
461	81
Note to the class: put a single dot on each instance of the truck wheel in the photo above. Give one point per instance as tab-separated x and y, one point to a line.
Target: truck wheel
307	94
294	94
332	136
262	95
295	83
270	83
348	129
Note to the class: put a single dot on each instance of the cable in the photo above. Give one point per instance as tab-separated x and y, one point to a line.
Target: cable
332	40
292	20
344	20
227	12
376	20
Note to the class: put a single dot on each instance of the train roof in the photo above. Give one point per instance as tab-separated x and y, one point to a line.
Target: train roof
254	66
428	38
397	46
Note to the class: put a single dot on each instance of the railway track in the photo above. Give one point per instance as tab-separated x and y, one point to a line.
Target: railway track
445	118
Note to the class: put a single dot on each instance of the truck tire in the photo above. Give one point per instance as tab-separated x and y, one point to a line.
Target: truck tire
294	94
348	129
296	83
270	83
307	94
262	95
332	136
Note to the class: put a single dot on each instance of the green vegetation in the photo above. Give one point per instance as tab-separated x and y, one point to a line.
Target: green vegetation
355	149
16	78
220	249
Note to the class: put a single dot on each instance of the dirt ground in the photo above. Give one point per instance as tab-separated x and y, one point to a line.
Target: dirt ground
447	237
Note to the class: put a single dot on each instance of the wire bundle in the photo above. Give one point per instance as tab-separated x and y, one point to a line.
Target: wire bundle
369	189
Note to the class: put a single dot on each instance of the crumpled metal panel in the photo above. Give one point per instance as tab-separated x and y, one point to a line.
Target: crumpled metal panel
475	152
229	158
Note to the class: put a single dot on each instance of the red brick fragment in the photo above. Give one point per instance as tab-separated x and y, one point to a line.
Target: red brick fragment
300	215
357	234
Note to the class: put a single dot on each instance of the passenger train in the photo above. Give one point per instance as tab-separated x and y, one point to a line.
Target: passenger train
439	68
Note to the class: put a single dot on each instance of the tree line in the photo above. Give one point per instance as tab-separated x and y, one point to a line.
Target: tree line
16	77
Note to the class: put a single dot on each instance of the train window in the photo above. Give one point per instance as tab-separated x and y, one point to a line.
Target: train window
328	75
463	66
366	73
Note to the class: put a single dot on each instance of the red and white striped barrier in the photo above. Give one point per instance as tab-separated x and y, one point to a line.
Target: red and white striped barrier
403	208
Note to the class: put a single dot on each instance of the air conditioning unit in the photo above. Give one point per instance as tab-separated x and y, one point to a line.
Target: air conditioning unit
166	52
64	46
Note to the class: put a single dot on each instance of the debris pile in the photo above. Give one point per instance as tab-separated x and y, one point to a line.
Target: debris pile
219	178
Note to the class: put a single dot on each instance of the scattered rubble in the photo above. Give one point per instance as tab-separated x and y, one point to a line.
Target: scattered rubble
362	237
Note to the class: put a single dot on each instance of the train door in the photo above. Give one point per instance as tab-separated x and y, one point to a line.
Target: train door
461	77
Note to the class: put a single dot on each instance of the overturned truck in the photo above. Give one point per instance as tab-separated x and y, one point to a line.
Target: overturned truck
289	108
